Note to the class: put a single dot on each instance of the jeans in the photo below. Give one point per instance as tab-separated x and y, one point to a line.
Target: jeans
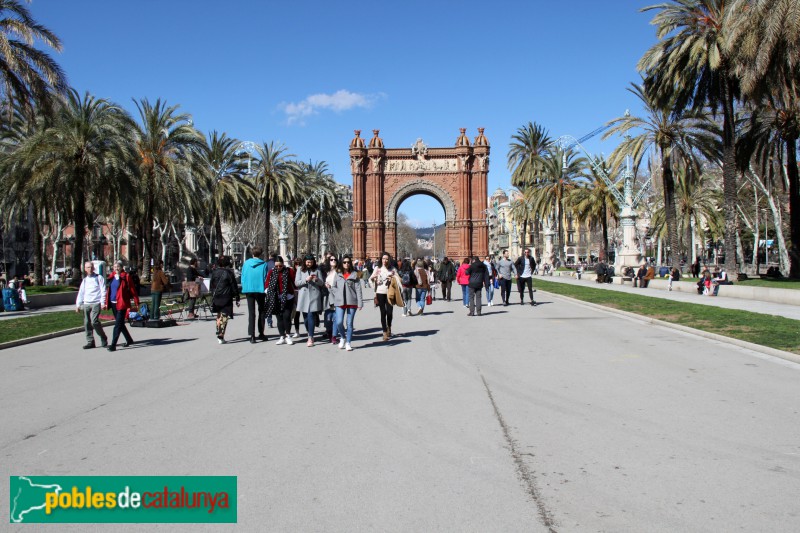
339	327
406	300
505	289
256	303
465	295
328	318
119	326
521	282
490	291
283	315
421	294
310	320
474	300
155	302
91	323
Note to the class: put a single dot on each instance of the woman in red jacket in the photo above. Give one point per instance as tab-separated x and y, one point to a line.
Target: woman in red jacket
463	279
118	299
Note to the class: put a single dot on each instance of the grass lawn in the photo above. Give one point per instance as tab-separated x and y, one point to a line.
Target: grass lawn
767	330
772	283
49	289
22	328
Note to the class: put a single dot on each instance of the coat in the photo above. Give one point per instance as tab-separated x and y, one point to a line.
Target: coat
395	292
309	295
461	276
160	281
422	279
346	291
447	271
124	293
254	275
478	275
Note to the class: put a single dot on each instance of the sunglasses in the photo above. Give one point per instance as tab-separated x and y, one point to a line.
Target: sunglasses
345	262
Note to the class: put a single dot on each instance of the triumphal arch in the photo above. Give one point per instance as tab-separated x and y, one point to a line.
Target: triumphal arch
384	177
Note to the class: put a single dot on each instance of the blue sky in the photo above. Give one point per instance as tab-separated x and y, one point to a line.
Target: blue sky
307	73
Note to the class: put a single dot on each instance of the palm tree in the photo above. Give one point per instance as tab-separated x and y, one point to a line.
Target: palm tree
26	73
82	158
766	42
596	205
526	153
674	132
232	196
692	66
171	176
562	173
276	178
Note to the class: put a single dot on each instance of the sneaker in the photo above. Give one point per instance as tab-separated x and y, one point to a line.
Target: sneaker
289	341
310	343
221	340
88	346
348	347
405	314
281	341
295	335
342	344
262	337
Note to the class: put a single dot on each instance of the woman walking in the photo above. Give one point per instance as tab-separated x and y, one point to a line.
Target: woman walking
309	283
423	285
463	279
224	291
159	283
382	279
280	300
193	276
297	264
118	299
328	301
408	281
347	297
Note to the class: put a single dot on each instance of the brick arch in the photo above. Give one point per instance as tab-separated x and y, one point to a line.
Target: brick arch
384	177
420	186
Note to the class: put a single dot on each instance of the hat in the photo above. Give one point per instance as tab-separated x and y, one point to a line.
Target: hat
309	257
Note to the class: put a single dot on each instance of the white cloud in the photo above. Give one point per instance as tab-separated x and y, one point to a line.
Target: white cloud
341	100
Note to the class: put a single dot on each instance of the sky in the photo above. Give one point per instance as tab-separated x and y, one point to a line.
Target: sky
307	73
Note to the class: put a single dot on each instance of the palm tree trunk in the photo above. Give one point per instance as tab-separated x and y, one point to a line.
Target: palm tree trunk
729	173
294	239
794	208
218	229
79	221
524	231
267	221
670	212
38	248
604	244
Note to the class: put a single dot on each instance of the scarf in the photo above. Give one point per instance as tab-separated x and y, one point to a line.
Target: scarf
273	297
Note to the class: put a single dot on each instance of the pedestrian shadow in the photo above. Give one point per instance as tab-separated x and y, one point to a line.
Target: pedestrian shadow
159	342
436	313
394	341
418	333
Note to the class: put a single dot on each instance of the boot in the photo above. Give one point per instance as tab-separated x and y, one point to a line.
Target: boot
389	331
385	336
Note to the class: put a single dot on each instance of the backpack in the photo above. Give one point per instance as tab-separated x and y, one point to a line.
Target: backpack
408	278
144	311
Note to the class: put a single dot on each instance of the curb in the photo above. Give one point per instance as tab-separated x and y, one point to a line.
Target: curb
787	356
47	336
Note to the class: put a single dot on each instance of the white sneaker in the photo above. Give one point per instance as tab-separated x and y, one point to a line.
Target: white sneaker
348	347
289	340
281	341
295	335
221	341
490	304
341	344
405	314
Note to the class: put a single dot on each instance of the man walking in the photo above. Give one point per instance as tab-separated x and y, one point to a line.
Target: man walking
254	274
504	277
91	297
446	274
525	265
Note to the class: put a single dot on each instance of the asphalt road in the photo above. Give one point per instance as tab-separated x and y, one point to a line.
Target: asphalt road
557	418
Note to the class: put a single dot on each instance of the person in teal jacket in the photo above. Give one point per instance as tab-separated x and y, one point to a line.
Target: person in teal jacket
254	274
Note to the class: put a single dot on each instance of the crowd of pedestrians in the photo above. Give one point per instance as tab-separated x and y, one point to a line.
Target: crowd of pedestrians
327	296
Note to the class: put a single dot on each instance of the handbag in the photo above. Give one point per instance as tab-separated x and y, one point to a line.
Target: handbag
496	283
428	299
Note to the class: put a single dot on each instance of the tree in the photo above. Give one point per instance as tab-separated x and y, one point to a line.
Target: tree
765	41
27	74
671	129
596	205
692	66
171	178
83	158
530	145
232	197
276	179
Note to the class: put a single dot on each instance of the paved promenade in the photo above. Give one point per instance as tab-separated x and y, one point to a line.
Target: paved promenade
553	418
756	306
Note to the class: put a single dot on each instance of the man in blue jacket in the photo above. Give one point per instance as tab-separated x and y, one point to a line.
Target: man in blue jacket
254	274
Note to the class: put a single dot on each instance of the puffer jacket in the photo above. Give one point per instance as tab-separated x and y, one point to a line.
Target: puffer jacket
254	274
